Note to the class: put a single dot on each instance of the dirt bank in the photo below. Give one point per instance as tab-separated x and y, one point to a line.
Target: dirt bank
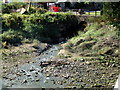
19	55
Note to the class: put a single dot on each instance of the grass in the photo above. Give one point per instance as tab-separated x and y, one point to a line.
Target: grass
93	13
96	39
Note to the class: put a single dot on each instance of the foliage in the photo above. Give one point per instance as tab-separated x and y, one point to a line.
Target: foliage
11	37
41	10
97	39
111	10
48	27
12	21
7	8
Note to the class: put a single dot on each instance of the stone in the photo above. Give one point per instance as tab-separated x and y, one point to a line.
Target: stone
32	69
37	80
28	75
24	81
88	63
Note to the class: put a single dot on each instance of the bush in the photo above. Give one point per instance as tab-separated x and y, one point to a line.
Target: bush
11	37
41	10
8	8
12	21
48	27
111	11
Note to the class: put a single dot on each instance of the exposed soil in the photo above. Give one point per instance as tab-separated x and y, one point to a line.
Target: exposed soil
19	55
83	73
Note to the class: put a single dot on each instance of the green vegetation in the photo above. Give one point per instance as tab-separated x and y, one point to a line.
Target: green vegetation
111	11
96	40
10	7
97	13
99	38
44	27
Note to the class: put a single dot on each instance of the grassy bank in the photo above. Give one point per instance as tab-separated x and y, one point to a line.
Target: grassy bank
98	41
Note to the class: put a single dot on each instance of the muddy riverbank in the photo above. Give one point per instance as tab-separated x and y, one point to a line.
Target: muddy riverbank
50	70
30	74
83	73
19	55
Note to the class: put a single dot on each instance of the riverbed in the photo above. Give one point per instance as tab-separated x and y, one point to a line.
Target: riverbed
47	71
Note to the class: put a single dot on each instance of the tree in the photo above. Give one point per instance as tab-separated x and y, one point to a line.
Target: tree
111	10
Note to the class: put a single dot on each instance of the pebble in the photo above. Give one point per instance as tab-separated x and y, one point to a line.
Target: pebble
88	63
5	77
37	80
32	69
82	60
25	81
28	75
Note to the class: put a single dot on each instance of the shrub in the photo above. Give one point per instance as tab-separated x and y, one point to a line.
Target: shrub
41	10
11	37
44	27
12	21
7	8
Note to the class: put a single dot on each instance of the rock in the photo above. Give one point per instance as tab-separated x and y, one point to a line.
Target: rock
24	81
37	80
97	86
16	65
82	60
113	65
32	69
4	67
36	76
28	75
61	52
25	74
5	77
88	63
22	71
19	74
66	76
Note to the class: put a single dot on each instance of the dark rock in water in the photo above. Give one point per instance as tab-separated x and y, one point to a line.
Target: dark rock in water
28	75
16	65
19	74
37	80
36	73
45	63
24	81
22	71
36	76
5	77
32	69
97	86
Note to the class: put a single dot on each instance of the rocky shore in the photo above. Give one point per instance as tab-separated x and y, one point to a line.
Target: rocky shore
18	55
61	72
82	73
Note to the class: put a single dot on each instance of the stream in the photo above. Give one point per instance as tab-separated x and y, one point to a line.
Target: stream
59	74
30	74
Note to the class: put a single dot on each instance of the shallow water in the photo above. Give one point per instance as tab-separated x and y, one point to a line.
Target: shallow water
30	75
